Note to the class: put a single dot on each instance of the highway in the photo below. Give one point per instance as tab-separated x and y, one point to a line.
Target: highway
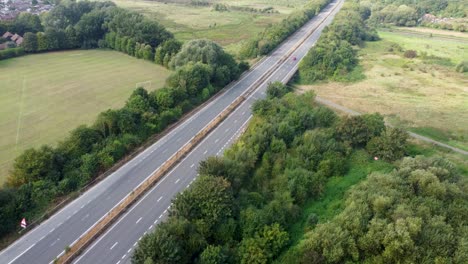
45	242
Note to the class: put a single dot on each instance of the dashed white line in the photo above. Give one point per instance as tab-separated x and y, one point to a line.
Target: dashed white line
124	256
134	244
115	244
191	166
216	141
118	262
52	230
205	152
151	227
159	199
243	113
155	221
139	219
160	216
177	181
130	249
165	211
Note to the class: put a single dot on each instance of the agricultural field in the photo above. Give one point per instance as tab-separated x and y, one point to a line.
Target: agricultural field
227	28
44	96
425	95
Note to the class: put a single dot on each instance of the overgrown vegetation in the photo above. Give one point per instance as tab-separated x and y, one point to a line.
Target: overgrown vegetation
240	208
413	214
334	56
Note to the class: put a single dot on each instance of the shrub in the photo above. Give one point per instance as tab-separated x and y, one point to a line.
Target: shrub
410	54
462	67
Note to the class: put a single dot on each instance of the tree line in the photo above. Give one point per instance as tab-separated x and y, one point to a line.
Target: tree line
42	175
240	208
335	55
84	24
409	12
273	35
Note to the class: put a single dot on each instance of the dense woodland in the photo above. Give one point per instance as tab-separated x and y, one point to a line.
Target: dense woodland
240	208
85	24
415	214
41	175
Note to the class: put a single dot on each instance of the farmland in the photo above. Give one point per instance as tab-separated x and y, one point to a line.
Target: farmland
46	95
228	28
425	94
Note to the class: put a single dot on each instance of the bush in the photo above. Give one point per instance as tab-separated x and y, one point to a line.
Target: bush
462	67
410	54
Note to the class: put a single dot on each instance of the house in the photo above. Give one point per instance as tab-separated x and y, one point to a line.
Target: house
7	35
19	40
15	37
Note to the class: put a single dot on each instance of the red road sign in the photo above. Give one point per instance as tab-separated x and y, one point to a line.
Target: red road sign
23	223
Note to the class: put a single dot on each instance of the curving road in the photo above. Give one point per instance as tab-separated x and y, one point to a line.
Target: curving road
44	243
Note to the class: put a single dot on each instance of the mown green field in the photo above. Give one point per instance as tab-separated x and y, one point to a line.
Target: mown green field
425	95
226	28
44	96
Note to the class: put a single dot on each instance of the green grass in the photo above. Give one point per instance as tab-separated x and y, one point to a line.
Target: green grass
459	141
228	29
331	202
44	96
439	47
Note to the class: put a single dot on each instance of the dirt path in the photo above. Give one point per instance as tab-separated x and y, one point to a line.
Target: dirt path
414	135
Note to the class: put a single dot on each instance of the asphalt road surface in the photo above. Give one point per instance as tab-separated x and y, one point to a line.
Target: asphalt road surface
45	242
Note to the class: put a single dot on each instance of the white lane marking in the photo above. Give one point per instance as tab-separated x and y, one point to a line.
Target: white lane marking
151	227
165	211
243	113
55	242
118	262
164	151
193	164
124	256
205	152
216	141
52	230
177	181
235	121
155	221
227	129
160	216
139	219
82	206
115	244
22	253
86	216
130	249
159	199
134	244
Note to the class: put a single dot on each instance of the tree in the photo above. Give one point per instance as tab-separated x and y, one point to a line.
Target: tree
33	165
27	22
30	43
213	255
389	146
358	130
277	90
208	203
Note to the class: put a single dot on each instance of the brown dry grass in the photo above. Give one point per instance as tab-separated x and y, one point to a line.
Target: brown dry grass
416	94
